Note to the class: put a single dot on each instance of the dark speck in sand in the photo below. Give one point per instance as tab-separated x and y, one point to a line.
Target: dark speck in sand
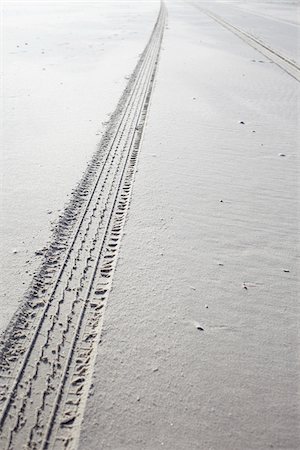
286	270
281	154
200	328
242	122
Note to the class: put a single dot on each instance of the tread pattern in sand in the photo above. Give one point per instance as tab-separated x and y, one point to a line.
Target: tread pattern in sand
289	66
48	353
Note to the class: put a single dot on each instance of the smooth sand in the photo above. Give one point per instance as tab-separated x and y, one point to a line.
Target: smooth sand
65	67
200	341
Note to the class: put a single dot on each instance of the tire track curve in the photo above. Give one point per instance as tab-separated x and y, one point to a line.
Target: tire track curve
289	66
48	354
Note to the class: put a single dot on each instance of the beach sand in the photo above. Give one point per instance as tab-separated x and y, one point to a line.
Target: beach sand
166	315
65	67
199	347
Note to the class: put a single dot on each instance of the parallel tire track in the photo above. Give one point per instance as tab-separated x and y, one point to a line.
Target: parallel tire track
289	66
48	356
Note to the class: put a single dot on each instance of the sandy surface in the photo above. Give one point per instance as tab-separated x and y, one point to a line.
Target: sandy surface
191	291
48	351
276	23
200	341
65	67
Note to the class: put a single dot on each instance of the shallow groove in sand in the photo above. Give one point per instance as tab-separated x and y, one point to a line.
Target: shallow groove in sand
273	55
48	353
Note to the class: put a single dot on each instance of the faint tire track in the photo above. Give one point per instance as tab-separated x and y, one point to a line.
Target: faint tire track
47	358
289	66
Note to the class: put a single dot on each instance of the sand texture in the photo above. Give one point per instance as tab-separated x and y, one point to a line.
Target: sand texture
65	66
163	310
48	350
200	345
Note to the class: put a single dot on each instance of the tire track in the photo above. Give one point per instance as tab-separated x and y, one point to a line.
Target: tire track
289	66
48	356
264	15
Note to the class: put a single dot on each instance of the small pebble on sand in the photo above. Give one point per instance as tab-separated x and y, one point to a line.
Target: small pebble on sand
281	154
242	122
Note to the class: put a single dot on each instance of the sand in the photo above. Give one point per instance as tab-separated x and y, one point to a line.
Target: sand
275	23
199	346
65	67
170	317
47	353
